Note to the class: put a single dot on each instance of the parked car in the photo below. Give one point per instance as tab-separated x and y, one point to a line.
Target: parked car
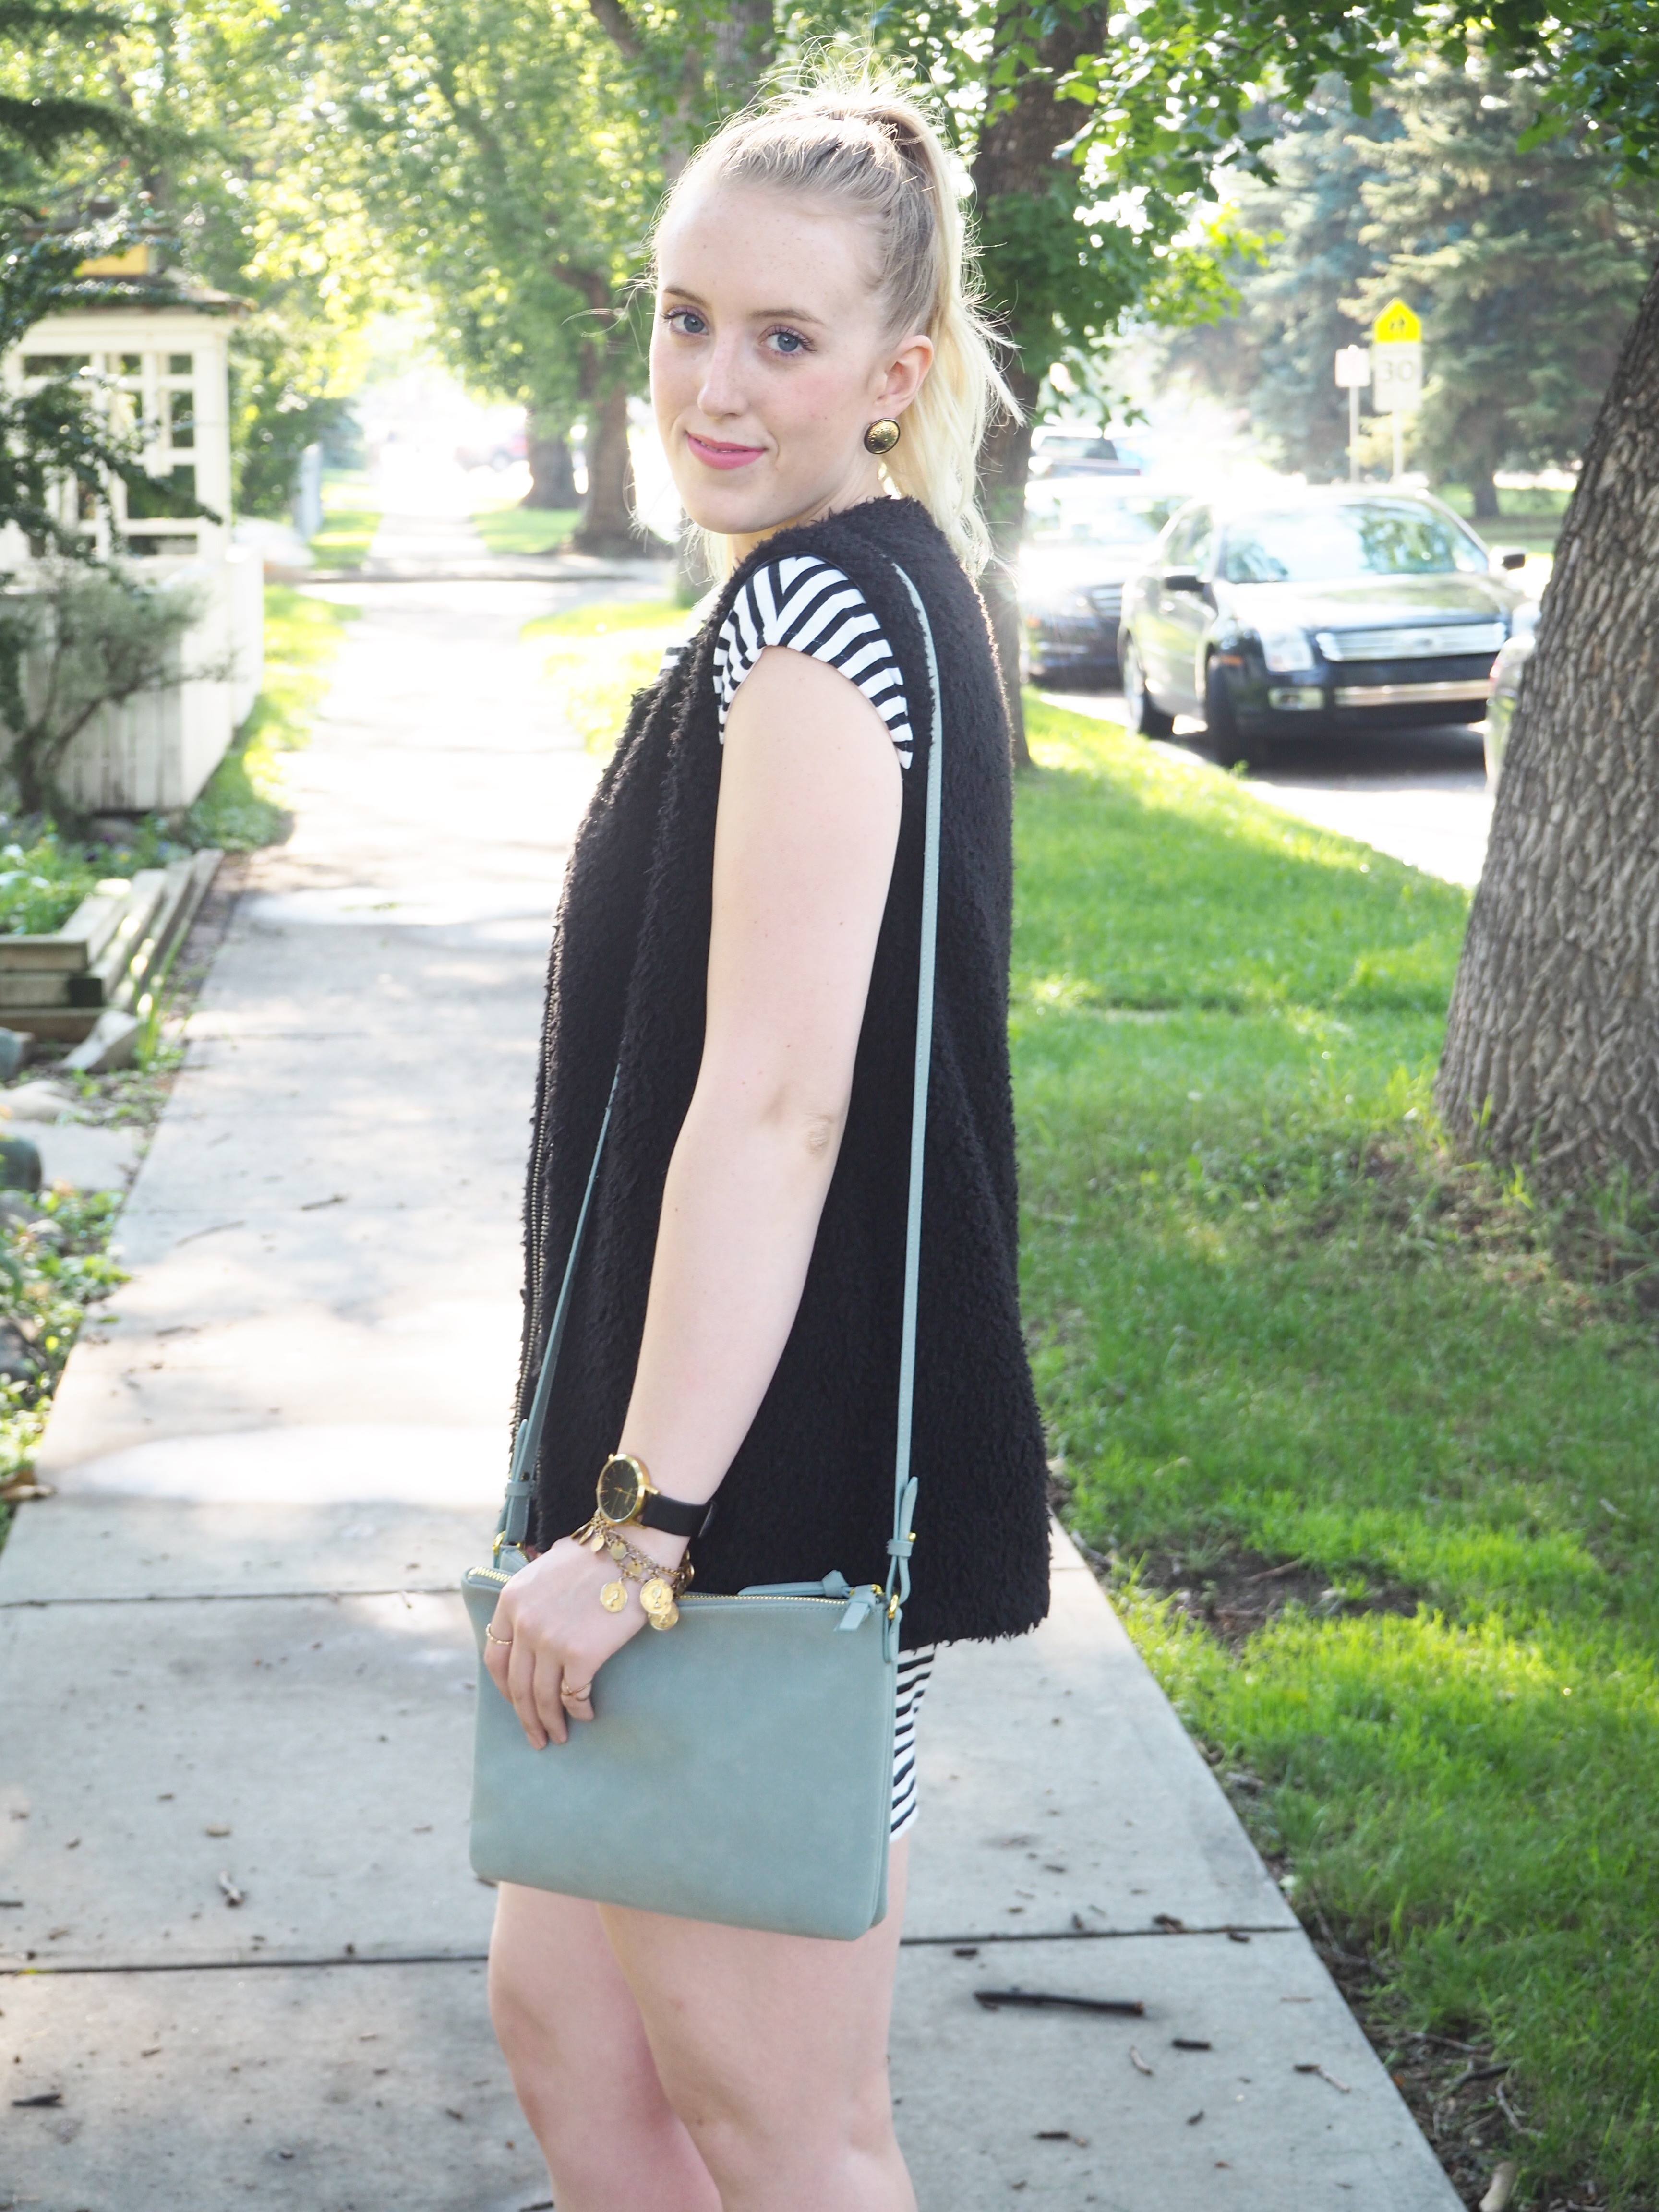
1061	449
1506	674
1308	613
1084	536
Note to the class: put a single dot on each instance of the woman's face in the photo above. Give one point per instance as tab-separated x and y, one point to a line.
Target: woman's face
769	361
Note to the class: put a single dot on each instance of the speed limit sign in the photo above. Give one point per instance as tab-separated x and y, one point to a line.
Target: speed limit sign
1396	361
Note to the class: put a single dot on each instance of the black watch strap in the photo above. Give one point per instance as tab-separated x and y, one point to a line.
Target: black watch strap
674	1518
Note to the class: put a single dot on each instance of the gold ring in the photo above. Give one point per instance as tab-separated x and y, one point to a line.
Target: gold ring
570	1696
490	1633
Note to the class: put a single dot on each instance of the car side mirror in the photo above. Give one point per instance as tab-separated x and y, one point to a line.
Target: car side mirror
1183	580
1511	556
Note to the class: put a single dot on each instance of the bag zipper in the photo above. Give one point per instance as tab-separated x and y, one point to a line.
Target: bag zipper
711	1597
690	1597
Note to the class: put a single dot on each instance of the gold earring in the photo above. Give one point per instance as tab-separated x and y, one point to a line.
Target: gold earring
882	437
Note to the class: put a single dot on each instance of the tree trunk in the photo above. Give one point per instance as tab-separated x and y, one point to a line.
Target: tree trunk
1015	158
607	525
552	481
744	40
1004	461
1552	1054
1485	497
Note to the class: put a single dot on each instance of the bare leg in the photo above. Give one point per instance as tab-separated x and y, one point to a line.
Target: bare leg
773	2050
582	2065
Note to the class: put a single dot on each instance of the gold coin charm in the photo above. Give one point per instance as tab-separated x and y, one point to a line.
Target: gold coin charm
618	1548
614	1596
657	1599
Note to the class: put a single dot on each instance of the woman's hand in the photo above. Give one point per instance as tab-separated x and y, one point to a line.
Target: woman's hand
550	1635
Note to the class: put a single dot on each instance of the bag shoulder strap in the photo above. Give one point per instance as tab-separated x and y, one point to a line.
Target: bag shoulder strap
526	1445
902	1542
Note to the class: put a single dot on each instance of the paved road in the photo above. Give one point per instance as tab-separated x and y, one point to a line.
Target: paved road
1419	795
241	1948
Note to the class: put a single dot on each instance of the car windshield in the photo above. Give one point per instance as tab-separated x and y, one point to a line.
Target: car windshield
1132	518
1351	537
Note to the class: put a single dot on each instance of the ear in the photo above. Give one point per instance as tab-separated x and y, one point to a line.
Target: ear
907	371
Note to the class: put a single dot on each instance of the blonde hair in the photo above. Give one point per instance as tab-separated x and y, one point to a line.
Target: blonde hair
868	147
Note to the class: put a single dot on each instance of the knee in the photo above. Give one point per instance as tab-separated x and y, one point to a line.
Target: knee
519	2009
756	2132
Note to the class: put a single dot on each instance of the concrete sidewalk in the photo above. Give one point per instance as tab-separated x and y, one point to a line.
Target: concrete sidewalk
244	1946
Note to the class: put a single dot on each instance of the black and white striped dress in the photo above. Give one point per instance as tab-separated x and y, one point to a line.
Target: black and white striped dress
913	1669
804	603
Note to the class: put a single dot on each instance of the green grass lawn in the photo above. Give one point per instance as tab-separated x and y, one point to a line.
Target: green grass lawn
1532	518
1275	1325
601	654
351	515
509	528
244	805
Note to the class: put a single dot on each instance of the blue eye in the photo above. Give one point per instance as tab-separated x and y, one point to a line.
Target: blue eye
788	342
687	321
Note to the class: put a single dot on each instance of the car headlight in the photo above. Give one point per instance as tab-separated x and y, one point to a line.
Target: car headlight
1285	650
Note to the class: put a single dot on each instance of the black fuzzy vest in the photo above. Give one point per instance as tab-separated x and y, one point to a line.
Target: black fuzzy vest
811	1489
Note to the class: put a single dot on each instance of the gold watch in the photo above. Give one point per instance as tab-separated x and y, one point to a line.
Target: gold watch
626	1496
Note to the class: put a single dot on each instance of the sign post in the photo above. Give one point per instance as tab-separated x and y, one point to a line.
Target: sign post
1397	370
1353	374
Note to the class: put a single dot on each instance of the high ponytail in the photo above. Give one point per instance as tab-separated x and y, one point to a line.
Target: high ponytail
869	147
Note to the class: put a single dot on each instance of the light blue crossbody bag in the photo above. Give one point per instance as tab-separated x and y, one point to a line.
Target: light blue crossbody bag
740	1768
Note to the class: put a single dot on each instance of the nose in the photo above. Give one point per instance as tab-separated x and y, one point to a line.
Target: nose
721	394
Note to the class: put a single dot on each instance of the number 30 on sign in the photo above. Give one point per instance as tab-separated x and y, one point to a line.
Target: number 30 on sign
1396	361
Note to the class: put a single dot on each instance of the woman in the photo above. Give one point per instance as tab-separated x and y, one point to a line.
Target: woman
739	936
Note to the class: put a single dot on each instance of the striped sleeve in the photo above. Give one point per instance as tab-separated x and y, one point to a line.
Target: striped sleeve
803	603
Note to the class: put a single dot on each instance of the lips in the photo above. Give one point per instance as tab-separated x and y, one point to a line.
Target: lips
717	454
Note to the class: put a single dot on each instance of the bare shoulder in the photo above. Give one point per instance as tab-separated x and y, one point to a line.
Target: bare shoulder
791	695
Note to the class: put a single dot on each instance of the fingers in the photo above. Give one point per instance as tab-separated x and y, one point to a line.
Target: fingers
521	1690
497	1653
577	1700
546	1641
548	1673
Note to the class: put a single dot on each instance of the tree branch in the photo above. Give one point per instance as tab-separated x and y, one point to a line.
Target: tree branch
614	20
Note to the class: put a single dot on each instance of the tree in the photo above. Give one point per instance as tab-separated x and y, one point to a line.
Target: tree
201	116
489	140
39	121
1064	264
1273	357
1552	1047
1528	265
1552	1054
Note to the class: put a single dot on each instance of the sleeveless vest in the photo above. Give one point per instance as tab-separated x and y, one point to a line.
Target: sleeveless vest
810	1488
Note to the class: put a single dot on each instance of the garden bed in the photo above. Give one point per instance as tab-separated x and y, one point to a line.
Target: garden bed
110	953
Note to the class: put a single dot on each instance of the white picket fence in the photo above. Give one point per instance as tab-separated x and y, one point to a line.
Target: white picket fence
154	754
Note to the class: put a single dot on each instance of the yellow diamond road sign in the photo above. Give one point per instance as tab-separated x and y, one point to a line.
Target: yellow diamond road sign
1396	325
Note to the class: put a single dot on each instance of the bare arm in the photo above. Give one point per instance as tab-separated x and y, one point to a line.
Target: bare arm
808	825
805	840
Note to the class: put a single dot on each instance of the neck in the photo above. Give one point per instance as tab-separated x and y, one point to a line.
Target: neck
863	482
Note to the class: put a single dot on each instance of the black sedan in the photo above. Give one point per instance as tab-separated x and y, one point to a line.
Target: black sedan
1296	613
1084	536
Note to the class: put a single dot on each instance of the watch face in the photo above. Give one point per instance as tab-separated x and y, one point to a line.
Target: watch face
621	1493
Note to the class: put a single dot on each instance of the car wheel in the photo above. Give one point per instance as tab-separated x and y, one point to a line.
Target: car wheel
1146	717
1227	748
